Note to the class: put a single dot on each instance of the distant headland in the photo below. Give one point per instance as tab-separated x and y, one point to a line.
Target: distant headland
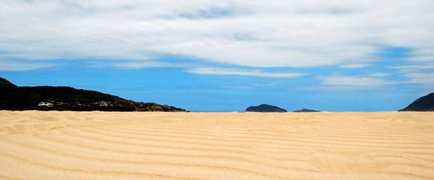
425	103
13	97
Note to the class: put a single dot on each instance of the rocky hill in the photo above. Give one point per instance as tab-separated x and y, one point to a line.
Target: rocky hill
307	110
13	97
425	103
265	108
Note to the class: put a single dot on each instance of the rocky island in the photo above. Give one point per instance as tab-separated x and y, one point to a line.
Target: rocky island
306	110
265	108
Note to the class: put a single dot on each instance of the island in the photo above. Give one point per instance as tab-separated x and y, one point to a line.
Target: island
306	110
265	108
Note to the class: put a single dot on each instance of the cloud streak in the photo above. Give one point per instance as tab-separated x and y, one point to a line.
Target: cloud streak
420	74
6	65
239	72
357	82
145	64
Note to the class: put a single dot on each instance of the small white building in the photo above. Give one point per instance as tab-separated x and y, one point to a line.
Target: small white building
45	104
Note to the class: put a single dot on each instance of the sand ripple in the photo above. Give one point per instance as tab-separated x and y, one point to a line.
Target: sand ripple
306	146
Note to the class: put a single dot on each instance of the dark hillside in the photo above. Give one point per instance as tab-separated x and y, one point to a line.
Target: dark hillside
68	98
6	84
265	108
425	103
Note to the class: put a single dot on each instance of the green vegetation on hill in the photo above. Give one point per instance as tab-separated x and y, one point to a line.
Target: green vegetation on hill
67	98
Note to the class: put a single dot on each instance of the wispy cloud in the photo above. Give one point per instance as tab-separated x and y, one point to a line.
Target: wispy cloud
356	82
427	66
420	74
355	66
378	75
241	72
423	78
22	66
145	64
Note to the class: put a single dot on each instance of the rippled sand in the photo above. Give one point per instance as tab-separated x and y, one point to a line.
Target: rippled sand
102	145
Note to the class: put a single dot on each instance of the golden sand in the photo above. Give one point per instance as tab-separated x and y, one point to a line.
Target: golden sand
221	146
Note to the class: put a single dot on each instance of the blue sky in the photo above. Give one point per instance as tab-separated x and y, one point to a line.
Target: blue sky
226	55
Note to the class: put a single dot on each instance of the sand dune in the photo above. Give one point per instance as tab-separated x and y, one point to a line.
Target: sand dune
306	146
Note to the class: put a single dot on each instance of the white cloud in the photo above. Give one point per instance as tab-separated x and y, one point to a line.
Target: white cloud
355	66
144	64
378	75
22	66
240	72
422	79
420	74
356	82
256	33
415	67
